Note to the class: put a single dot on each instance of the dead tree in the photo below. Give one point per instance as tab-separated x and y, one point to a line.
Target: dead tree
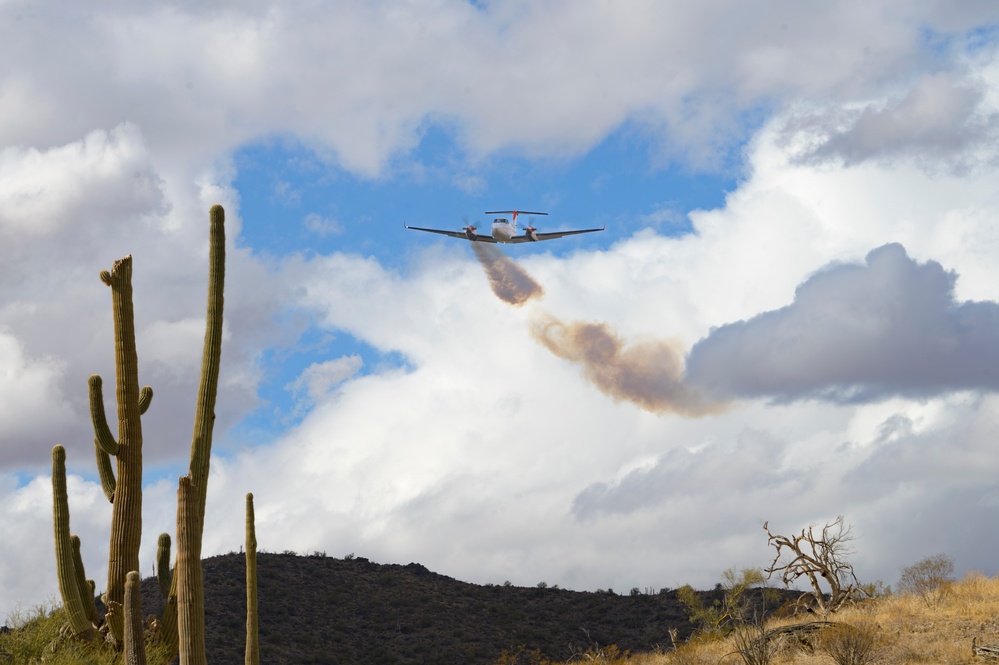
817	557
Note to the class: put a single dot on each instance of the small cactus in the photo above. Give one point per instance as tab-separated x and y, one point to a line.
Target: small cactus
163	574
135	652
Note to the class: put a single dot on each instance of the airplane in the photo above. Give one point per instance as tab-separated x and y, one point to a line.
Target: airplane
505	231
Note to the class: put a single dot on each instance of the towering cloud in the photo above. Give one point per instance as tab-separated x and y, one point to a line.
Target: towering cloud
889	327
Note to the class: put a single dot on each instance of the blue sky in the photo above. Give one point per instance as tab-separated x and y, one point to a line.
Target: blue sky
614	184
280	184
790	315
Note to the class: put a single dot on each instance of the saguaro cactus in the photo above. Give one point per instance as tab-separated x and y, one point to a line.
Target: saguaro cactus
135	653
69	586
126	495
105	444
123	485
188	591
86	586
252	643
204	415
163	574
190	586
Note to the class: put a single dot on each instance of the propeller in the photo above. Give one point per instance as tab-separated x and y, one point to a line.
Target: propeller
468	226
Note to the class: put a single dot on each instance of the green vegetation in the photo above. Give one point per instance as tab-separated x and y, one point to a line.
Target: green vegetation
724	614
38	637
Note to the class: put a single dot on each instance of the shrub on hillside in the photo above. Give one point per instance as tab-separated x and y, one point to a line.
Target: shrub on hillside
849	645
930	579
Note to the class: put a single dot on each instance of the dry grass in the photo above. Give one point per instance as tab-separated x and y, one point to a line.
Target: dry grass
902	630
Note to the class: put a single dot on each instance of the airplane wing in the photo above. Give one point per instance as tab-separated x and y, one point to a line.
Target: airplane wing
455	234
550	236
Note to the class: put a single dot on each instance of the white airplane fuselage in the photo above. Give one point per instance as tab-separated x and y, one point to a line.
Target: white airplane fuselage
504	230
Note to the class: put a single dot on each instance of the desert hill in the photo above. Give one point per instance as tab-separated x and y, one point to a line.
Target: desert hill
318	609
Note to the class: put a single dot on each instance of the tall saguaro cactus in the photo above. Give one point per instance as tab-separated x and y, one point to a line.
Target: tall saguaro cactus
190	584
187	593
126	514
204	415
252	642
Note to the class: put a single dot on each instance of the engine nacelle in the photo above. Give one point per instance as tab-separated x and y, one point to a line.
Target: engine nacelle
531	233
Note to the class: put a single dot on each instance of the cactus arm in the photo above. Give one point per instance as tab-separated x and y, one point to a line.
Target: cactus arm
163	564
190	587
86	590
168	620
204	417
126	515
69	588
106	472
135	647
145	399
102	433
252	643
115	621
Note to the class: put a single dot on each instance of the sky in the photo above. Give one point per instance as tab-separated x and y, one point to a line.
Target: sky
793	312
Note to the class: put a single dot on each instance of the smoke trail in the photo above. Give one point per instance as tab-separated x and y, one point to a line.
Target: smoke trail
648	374
509	282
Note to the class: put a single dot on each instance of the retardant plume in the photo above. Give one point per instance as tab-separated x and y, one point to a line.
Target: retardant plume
648	374
509	282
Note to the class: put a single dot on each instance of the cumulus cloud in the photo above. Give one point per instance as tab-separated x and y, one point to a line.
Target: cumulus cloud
857	332
322	226
66	213
30	395
941	121
318	379
368	80
683	472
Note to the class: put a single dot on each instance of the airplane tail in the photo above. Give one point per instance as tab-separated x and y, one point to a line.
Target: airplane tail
514	213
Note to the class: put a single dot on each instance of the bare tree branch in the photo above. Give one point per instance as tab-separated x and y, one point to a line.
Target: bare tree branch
817	558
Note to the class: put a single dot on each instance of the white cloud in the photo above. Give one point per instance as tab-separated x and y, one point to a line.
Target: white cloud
322	226
68	213
30	395
857	333
360	83
318	379
941	122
